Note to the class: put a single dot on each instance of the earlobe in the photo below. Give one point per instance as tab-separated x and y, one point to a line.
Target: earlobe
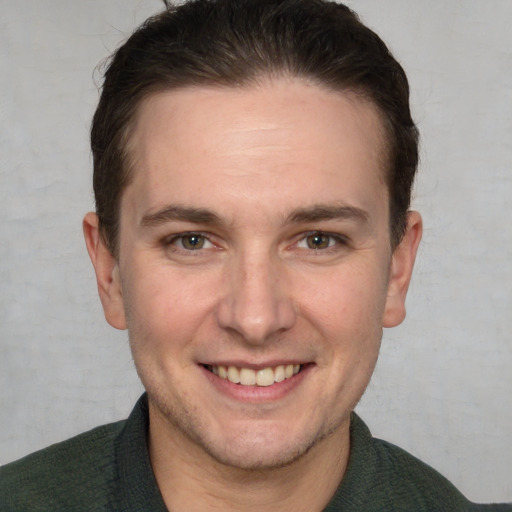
107	273
402	264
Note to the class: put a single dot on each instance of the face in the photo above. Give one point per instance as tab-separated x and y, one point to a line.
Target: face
255	270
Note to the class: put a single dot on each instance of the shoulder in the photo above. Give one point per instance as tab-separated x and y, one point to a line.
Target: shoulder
413	479
62	475
408	478
381	476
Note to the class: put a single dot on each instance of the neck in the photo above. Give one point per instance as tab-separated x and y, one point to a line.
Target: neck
191	480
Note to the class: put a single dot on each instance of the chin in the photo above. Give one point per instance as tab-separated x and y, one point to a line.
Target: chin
253	447
251	452
252	443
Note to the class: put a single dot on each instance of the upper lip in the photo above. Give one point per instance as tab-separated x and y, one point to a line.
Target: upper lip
256	366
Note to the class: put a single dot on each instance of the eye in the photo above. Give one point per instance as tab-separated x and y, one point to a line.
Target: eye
191	241
318	240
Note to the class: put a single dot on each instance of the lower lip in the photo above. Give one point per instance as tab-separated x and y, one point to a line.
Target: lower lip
257	394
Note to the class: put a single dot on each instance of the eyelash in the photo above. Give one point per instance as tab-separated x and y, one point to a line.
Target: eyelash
171	241
337	240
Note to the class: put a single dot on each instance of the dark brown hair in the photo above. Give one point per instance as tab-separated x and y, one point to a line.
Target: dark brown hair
235	43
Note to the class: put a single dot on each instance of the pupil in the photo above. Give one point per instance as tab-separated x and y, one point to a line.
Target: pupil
318	241
193	241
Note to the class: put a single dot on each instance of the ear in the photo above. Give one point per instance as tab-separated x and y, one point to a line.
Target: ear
402	263
107	273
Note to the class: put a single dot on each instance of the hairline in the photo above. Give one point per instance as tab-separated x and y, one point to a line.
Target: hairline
127	136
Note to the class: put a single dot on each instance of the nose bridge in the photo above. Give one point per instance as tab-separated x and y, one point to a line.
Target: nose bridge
256	303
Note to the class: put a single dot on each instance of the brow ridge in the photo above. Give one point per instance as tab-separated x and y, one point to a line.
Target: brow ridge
314	213
180	213
322	212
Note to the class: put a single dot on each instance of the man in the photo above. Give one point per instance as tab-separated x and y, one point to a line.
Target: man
253	163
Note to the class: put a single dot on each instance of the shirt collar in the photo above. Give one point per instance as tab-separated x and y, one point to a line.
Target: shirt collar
137	488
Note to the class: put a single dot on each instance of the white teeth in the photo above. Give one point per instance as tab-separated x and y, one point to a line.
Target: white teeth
247	377
250	377
279	374
233	374
265	377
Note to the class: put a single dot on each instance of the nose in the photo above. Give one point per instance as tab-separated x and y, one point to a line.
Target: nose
255	303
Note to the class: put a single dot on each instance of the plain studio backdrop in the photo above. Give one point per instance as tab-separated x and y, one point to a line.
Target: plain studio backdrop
443	385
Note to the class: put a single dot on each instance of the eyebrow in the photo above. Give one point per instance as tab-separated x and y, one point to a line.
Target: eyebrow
322	212
315	213
180	213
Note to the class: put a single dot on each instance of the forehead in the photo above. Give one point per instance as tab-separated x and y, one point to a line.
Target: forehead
271	143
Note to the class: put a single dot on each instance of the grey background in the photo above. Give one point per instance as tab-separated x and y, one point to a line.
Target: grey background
443	385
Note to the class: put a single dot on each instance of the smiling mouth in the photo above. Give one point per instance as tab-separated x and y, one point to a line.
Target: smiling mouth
250	377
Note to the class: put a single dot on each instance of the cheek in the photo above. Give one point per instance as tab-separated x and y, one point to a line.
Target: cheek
345	299
164	306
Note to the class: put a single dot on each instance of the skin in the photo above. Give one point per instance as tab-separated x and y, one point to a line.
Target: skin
260	176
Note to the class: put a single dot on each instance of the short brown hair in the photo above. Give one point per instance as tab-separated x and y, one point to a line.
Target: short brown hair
234	43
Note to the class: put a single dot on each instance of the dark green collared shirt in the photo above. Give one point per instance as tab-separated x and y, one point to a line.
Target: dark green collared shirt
108	469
